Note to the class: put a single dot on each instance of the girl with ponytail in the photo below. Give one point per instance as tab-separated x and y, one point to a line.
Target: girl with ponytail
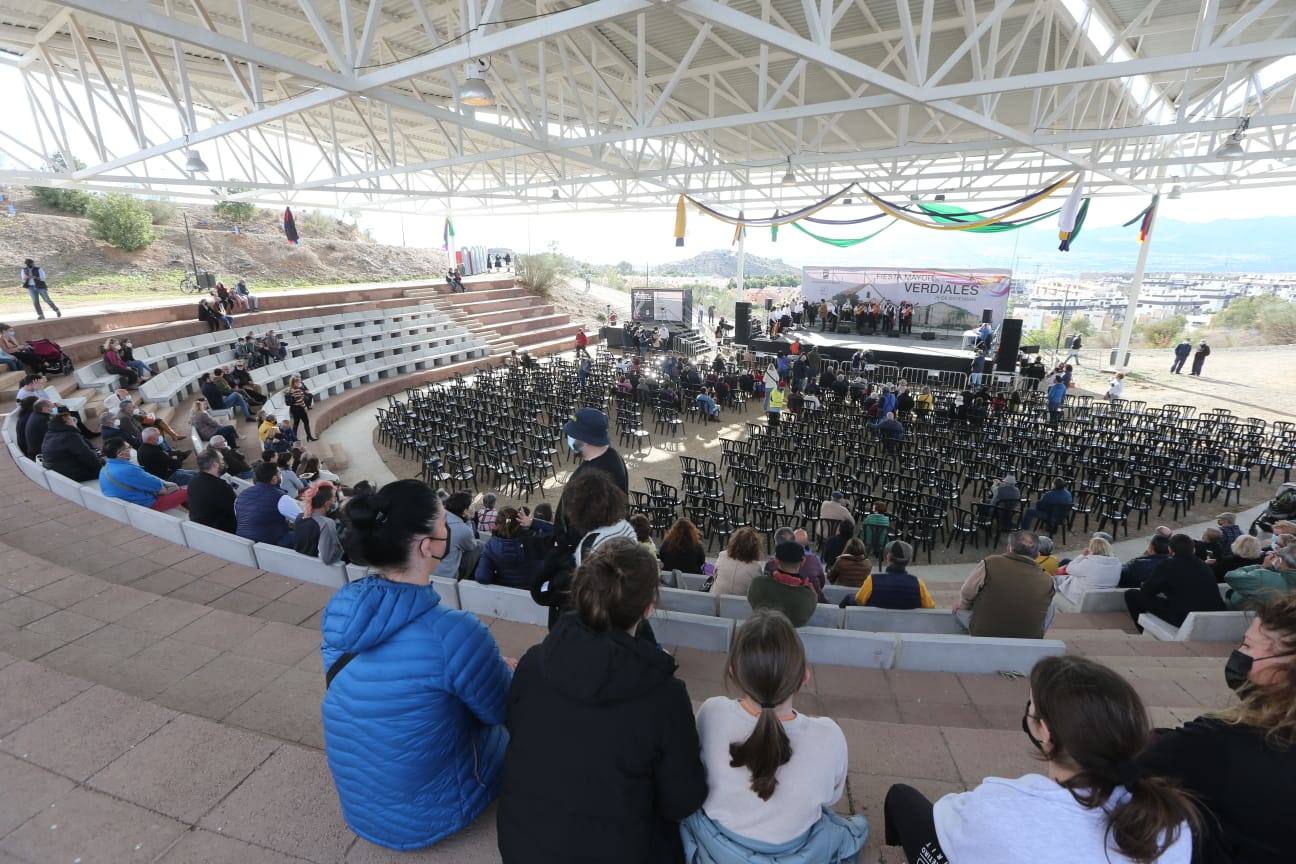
773	774
602	761
1096	803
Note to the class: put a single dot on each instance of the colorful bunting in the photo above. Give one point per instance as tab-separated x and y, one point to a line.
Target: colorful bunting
1070	211
290	227
679	221
448	235
842	244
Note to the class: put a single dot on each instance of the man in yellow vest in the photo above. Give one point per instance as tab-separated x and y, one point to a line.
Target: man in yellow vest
778	399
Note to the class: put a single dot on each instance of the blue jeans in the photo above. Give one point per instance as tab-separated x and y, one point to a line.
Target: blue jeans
140	368
236	401
38	294
14	364
182	476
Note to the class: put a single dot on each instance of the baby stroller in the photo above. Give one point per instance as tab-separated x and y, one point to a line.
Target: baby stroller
50	358
1281	506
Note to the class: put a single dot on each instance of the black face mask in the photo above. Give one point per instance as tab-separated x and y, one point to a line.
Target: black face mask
1039	745
1237	671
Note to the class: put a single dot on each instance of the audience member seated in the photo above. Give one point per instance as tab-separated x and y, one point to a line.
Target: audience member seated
289	482
1228	526
1239	764
216	390
784	588
1008	595
603	754
1179	585
208	426
595	513
211	499
66	450
36	427
875	530
462	548
681	548
643	533
1047	561
852	567
416	693
159	463
1005	496
739	563
210	314
1245	551
484	513
833	546
895	587
504	559
1095	567
315	533
122	479
235	463
1255	584
1211	545
265	514
1093	804
1052	509
1137	570
836	508
773	774
26	407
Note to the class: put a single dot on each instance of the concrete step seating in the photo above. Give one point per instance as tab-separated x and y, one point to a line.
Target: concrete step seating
345	335
1198	627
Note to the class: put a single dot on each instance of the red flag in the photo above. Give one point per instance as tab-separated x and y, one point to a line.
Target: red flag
290	227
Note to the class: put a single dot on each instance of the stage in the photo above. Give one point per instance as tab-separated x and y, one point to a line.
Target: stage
903	351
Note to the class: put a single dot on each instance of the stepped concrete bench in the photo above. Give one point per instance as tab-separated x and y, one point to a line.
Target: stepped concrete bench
1198	627
1093	600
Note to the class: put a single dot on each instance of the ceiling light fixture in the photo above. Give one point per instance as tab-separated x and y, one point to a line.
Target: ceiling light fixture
1176	190
1232	148
789	179
846	202
194	163
474	91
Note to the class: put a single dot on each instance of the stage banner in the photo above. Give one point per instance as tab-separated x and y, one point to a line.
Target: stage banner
941	297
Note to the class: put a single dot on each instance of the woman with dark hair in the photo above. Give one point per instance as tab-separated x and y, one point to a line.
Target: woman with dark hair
773	773
1095	804
603	753
835	544
852	566
741	561
504	560
1239	764
299	402
681	548
595	512
415	693
643	533
26	408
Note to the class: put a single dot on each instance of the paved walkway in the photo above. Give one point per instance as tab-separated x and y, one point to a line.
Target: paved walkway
163	706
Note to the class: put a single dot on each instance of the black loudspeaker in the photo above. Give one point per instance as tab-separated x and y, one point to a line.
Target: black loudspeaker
1009	342
987	316
613	337
742	323
928	335
769	304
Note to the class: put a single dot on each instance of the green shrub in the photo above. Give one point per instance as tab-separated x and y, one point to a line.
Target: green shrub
235	212
1161	334
314	224
121	221
67	200
161	212
540	274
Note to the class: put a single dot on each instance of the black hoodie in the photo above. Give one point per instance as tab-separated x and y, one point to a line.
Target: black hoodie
603	757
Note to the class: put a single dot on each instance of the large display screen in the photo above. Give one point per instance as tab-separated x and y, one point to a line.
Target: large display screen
661	305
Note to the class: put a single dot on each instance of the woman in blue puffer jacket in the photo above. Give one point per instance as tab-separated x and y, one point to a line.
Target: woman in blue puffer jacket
506	560
416	693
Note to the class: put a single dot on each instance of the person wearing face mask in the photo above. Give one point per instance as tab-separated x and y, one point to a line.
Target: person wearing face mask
587	435
1095	803
315	533
415	693
122	479
1239	764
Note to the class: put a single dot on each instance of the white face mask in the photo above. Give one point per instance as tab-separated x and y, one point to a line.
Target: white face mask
574	445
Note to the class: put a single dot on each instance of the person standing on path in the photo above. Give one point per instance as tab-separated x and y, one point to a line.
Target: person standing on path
1199	357
1073	350
33	279
1181	352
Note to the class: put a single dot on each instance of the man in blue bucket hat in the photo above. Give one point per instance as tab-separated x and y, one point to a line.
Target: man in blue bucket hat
587	434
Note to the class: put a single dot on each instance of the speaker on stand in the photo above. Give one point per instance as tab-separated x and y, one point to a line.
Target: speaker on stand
1010	335
742	323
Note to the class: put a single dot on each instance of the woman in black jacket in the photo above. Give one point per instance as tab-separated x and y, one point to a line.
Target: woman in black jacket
681	548
20	425
603	758
1240	764
65	450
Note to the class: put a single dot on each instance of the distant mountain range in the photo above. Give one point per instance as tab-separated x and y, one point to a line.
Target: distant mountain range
723	263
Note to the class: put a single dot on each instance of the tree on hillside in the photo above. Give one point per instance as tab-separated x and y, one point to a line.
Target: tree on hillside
1161	334
67	200
234	211
121	221
1048	336
1243	313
